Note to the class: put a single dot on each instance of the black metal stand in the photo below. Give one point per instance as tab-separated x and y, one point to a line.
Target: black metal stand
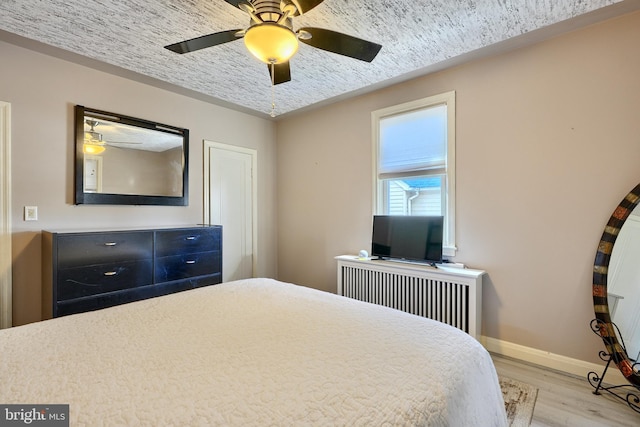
632	392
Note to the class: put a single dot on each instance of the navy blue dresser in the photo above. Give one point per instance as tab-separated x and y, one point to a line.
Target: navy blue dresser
89	270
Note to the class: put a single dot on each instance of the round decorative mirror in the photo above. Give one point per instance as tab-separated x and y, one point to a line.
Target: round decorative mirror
616	294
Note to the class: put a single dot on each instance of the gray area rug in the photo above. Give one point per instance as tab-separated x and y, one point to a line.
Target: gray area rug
519	401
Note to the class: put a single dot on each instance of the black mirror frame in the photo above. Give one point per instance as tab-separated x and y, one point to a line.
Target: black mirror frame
606	328
126	199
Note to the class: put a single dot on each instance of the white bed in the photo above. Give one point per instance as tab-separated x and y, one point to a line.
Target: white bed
253	353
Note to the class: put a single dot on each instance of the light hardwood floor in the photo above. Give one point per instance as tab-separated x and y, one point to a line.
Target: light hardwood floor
565	400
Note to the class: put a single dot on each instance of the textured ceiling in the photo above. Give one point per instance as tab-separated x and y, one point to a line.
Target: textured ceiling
416	35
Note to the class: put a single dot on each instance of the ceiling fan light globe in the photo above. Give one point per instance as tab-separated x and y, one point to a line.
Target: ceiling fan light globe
93	148
271	43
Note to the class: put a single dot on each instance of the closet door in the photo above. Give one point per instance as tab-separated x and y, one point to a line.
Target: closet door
230	193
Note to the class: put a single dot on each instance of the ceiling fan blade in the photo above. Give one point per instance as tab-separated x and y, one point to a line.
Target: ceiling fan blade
204	41
282	73
341	44
304	6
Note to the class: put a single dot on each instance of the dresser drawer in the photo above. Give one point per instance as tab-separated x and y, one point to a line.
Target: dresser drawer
192	240
100	248
102	278
110	299
187	265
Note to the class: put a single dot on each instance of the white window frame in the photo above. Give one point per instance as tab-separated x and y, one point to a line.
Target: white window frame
448	99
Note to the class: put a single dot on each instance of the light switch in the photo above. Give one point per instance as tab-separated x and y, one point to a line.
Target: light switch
30	213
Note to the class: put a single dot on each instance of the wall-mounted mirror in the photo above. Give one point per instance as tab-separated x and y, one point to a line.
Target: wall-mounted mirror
128	161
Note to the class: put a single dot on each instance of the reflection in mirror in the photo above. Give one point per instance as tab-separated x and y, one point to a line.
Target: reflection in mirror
623	289
124	160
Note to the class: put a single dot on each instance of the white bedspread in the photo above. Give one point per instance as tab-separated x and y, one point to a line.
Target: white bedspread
252	353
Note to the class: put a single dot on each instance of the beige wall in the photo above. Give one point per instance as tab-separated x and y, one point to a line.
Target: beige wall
548	143
42	91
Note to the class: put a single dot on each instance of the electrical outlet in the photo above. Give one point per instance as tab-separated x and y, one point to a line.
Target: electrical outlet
30	213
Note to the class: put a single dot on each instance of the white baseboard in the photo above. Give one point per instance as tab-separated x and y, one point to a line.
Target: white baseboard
579	368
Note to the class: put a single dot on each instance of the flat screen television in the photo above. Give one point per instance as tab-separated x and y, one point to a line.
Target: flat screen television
410	238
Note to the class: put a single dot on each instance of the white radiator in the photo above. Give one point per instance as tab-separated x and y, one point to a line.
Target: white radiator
449	295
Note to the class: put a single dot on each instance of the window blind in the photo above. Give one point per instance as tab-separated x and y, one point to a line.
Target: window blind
413	142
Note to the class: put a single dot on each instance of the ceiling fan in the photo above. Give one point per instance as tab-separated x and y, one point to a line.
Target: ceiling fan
271	38
93	141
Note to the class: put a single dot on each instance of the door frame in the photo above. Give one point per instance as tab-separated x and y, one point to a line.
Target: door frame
207	145
6	303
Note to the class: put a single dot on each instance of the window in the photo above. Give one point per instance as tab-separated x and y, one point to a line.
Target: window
414	161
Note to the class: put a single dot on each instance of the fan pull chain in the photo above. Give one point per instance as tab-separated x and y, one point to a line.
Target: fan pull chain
273	89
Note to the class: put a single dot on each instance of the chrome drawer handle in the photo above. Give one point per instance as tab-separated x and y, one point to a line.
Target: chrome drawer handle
191	238
110	273
110	243
190	262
